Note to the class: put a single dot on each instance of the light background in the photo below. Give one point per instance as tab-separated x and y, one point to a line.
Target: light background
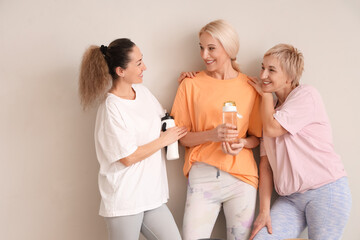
48	180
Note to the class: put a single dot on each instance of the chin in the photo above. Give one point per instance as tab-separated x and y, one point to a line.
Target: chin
266	90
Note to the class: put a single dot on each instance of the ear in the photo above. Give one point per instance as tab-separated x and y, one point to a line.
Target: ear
120	72
289	80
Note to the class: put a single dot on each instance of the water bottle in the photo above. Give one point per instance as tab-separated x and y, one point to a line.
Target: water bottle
230	113
172	151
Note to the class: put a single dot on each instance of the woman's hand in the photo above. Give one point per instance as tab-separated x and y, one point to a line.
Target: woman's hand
233	148
256	84
262	220
224	133
184	75
172	134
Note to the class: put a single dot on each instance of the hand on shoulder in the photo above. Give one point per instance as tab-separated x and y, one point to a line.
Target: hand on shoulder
184	75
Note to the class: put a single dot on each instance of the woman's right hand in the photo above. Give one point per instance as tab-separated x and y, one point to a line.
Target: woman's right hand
225	133
184	75
262	220
256	84
172	134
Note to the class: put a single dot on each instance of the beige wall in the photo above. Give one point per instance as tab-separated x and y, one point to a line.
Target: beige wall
48	180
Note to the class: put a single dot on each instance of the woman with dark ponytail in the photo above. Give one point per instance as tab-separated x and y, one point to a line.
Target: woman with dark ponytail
128	141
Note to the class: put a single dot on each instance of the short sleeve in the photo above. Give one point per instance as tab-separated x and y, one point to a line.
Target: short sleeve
115	137
180	109
297	111
255	125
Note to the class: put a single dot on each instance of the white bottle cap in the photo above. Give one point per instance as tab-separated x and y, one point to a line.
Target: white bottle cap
229	106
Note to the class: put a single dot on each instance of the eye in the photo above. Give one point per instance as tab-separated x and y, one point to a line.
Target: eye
262	67
211	48
201	48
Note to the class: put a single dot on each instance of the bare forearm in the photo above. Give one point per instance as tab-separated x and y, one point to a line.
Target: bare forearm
271	126
251	142
196	138
265	184
143	152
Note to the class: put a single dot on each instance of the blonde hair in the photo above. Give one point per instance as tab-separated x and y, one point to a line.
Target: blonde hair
227	36
291	61
97	71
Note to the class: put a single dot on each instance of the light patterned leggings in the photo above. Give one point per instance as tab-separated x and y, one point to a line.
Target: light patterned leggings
324	210
208	190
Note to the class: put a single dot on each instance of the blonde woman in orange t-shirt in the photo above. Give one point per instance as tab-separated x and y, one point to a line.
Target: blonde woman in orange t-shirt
217	179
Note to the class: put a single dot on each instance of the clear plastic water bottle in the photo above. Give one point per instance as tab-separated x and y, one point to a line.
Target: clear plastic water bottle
172	151
230	113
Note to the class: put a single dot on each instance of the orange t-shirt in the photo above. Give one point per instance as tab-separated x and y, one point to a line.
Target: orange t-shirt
198	106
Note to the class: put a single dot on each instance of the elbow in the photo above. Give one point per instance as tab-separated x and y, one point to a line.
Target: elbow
126	161
270	132
182	143
267	132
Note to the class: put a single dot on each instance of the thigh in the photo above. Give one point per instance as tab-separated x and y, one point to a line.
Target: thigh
239	210
202	204
287	221
328	212
124	227
159	224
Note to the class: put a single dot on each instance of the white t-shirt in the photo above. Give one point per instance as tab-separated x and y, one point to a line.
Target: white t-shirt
303	158
121	126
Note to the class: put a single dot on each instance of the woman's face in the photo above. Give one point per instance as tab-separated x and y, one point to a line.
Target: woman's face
273	78
134	71
213	53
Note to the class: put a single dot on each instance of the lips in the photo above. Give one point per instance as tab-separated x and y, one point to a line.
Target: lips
209	61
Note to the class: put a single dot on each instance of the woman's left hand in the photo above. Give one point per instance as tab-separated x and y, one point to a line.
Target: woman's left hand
256	84
233	148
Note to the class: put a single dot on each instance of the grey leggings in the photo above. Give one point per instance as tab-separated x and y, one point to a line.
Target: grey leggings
324	210
155	224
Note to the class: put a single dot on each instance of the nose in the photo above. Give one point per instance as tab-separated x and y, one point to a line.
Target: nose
144	67
263	74
204	53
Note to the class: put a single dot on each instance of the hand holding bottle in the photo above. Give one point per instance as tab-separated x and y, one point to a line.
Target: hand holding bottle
224	133
233	148
173	134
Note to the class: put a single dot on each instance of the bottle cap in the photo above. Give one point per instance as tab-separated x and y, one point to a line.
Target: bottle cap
167	116
229	106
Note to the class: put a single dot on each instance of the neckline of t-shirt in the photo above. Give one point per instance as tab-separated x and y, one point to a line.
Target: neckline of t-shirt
124	99
296	89
222	80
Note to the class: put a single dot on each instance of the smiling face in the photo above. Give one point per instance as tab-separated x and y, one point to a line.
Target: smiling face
134	70
273	78
213	53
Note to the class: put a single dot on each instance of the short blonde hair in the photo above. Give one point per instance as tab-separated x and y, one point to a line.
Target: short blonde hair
227	36
291	61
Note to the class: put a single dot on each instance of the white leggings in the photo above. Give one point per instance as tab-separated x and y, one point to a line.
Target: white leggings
155	224
208	190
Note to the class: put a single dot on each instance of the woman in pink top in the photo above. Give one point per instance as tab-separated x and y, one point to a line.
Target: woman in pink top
297	156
